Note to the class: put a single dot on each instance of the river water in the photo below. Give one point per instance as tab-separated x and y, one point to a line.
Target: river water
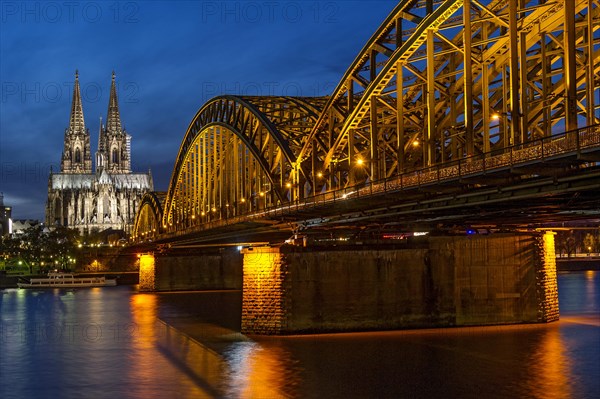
118	343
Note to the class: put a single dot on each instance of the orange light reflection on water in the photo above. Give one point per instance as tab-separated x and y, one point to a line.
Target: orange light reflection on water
550	369
590	286
148	363
260	372
143	310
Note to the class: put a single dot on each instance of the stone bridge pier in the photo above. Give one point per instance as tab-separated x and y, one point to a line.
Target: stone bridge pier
436	282
446	281
197	270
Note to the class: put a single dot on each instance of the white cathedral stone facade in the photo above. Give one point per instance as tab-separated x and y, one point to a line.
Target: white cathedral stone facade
108	197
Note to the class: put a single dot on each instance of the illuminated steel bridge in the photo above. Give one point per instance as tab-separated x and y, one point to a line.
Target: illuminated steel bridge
453	110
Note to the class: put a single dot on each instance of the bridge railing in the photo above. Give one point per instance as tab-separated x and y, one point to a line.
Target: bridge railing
572	142
542	149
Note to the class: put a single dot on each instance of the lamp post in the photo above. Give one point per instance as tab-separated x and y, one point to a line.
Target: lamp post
502	119
260	196
359	170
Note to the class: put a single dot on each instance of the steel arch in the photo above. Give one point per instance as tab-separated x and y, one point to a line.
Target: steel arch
148	220
434	84
238	154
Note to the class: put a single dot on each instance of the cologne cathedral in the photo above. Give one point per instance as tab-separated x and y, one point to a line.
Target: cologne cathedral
109	196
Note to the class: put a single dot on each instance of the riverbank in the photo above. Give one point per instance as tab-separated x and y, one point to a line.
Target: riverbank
8	281
577	264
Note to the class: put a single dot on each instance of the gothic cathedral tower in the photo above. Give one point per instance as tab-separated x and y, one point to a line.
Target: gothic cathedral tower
107	198
114	144
76	156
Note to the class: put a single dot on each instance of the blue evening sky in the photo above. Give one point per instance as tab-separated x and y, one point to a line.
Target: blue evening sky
169	58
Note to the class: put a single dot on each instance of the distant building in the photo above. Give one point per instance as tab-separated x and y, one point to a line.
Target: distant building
5	218
107	197
20	226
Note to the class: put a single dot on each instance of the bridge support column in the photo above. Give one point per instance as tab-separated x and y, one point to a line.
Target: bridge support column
547	286
147	273
264	305
430	282
191	271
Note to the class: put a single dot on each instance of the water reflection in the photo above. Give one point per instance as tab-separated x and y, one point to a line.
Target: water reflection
549	367
579	292
143	312
260	371
591	294
141	330
108	343
145	359
497	362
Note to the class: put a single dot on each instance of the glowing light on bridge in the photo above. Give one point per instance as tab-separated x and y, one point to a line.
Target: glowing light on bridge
147	272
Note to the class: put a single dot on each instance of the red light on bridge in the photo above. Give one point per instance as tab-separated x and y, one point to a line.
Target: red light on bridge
399	236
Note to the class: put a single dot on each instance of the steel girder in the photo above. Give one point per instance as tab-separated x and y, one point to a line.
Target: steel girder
148	219
443	80
238	155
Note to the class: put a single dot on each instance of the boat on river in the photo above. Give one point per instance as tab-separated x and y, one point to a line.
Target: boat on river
66	280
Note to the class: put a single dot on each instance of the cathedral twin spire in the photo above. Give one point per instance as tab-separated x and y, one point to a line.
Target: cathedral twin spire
76	122
76	157
113	152
113	119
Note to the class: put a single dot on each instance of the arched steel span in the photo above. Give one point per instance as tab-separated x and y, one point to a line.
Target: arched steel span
237	156
438	81
443	80
148	221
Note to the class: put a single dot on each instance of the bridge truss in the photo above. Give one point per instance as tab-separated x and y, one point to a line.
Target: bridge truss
148	219
439	82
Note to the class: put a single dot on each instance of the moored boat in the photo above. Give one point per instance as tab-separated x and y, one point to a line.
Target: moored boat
66	280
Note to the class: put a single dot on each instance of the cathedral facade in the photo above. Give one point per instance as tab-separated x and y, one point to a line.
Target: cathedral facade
106	197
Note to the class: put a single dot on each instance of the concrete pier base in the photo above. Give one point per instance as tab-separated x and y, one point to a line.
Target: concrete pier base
192	271
147	272
442	281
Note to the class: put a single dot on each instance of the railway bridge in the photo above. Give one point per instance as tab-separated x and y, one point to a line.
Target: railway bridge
456	117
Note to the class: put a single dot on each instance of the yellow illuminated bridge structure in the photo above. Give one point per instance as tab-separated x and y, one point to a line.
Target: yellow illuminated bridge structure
452	109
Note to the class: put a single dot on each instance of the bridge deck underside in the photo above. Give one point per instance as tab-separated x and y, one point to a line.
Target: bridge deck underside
508	199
